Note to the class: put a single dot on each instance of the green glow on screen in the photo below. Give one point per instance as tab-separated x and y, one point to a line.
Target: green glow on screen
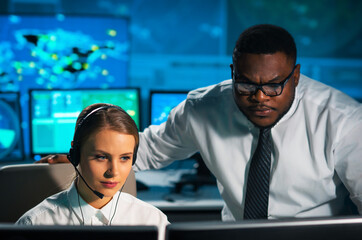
7	137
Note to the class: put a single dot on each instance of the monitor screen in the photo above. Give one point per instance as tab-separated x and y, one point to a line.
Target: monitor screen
11	140
162	102
53	114
296	229
10	231
61	51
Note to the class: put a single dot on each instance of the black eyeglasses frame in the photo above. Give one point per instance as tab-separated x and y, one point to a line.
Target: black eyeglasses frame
260	86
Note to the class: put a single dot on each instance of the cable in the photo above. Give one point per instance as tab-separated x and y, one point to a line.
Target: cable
76	184
115	208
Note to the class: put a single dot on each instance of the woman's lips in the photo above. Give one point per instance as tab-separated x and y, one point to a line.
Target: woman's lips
109	184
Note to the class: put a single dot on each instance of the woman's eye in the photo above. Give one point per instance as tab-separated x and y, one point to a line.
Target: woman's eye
101	157
125	158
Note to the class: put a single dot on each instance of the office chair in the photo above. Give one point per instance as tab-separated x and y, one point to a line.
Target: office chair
23	186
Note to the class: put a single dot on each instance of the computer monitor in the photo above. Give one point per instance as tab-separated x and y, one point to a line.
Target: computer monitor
162	102
61	51
54	232
53	114
302	229
11	140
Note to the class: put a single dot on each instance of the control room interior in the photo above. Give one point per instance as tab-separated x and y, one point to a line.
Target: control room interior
149	54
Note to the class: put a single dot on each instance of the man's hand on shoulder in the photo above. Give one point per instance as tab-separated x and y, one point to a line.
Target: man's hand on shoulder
55	158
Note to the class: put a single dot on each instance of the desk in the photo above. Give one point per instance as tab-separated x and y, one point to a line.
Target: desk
205	204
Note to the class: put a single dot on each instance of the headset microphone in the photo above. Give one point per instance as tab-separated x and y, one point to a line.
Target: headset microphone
100	195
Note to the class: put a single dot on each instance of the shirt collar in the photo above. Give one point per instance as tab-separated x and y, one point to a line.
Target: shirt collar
292	108
87	214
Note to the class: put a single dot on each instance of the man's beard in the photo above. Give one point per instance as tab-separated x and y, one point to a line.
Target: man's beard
279	117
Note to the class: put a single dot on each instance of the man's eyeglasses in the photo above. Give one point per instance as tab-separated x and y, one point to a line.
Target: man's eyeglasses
269	89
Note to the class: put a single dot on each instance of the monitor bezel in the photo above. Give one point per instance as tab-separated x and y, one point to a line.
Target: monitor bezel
32	232
274	229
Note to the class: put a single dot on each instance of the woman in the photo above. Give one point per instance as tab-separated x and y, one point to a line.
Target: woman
103	151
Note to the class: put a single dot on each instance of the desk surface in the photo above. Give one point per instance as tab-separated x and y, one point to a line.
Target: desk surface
161	192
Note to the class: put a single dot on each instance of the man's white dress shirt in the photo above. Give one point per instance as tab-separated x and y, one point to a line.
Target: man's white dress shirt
68	208
316	158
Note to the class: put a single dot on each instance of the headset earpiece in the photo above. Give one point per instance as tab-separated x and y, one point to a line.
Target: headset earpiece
73	157
134	155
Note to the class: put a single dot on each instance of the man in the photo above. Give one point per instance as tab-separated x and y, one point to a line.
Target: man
310	135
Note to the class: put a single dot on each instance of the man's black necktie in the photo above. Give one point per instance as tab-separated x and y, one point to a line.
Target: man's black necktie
257	190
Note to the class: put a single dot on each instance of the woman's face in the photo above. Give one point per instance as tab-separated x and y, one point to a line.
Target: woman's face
106	160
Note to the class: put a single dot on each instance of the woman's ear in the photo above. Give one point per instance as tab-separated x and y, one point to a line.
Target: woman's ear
232	70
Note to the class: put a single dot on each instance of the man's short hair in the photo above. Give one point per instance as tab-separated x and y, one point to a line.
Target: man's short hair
265	39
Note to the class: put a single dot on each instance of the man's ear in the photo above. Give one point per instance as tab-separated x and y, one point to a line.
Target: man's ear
71	144
296	75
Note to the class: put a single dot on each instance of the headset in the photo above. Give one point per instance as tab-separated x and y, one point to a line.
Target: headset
74	152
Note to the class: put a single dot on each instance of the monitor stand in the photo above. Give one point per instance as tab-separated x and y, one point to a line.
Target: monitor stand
202	177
